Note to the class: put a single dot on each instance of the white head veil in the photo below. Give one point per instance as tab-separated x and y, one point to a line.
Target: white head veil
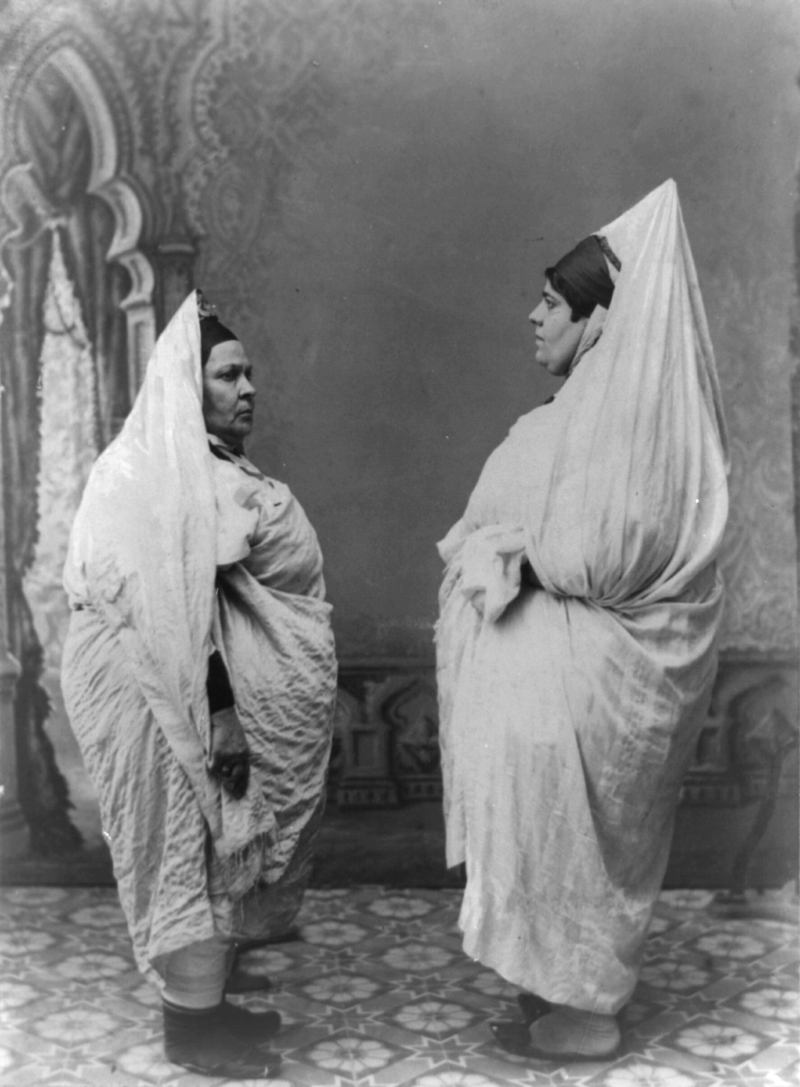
144	551
633	501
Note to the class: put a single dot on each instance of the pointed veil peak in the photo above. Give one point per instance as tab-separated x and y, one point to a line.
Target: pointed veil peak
627	232
639	459
657	305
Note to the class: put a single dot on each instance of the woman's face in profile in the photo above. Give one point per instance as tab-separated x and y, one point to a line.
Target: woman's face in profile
228	393
557	335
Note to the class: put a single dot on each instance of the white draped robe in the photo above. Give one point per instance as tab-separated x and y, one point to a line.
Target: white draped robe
569	713
175	553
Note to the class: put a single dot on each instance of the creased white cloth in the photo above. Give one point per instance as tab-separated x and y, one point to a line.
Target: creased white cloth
490	567
176	552
568	715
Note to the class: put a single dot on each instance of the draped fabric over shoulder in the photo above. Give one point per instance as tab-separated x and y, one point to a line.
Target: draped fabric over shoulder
569	713
176	552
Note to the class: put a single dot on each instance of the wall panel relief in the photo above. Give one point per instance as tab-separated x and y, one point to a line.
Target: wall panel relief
387	741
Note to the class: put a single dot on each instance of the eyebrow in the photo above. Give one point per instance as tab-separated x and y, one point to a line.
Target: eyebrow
235	366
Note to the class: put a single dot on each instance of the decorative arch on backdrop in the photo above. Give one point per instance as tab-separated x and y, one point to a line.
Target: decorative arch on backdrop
77	322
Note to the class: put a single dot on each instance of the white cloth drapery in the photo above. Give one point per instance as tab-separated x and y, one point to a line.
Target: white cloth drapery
569	714
175	552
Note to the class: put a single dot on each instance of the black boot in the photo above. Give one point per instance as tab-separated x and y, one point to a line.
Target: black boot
514	1036
243	981
203	1042
254	1027
533	1007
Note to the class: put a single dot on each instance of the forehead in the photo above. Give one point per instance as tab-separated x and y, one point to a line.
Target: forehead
228	353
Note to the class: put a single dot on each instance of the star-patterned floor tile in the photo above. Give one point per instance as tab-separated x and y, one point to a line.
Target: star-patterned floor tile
376	992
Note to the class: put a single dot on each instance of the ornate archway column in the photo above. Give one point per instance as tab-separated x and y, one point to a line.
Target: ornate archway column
38	816
14	833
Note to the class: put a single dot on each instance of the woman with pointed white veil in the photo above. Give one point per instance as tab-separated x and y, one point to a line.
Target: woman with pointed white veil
200	679
576	639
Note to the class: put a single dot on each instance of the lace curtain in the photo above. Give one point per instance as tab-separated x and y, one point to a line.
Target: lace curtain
68	446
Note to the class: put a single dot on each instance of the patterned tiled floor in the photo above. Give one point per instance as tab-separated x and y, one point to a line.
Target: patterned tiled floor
378	993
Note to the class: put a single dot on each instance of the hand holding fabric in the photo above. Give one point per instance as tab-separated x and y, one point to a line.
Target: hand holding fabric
491	561
229	757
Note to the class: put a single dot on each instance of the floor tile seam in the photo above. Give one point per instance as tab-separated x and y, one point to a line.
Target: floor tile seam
746	1021
722	1062
717	1017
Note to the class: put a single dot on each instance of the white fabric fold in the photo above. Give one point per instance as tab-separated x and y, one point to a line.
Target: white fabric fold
236	498
490	563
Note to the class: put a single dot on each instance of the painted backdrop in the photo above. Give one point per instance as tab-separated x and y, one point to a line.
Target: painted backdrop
369	192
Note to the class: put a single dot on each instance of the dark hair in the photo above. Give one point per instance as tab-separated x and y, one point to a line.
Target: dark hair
212	332
579	306
582	276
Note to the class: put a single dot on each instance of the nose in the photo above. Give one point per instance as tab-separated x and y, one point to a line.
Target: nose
247	389
535	316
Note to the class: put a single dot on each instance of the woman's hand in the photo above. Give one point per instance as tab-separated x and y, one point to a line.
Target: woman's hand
528	577
229	758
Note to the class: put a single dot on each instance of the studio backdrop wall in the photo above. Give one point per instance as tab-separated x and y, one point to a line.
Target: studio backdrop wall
369	191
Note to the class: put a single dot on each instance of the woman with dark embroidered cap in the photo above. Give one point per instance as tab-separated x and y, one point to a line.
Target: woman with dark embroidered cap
200	678
576	639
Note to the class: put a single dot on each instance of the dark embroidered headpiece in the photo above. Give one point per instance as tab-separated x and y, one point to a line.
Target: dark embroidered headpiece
212	330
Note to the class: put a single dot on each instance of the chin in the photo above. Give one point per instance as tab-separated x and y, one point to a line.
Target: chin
558	369
242	429
236	436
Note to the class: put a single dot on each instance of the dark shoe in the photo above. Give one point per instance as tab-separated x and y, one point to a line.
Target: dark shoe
571	1058
291	936
241	981
288	936
254	1027
202	1042
533	1007
514	1038
511	1036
